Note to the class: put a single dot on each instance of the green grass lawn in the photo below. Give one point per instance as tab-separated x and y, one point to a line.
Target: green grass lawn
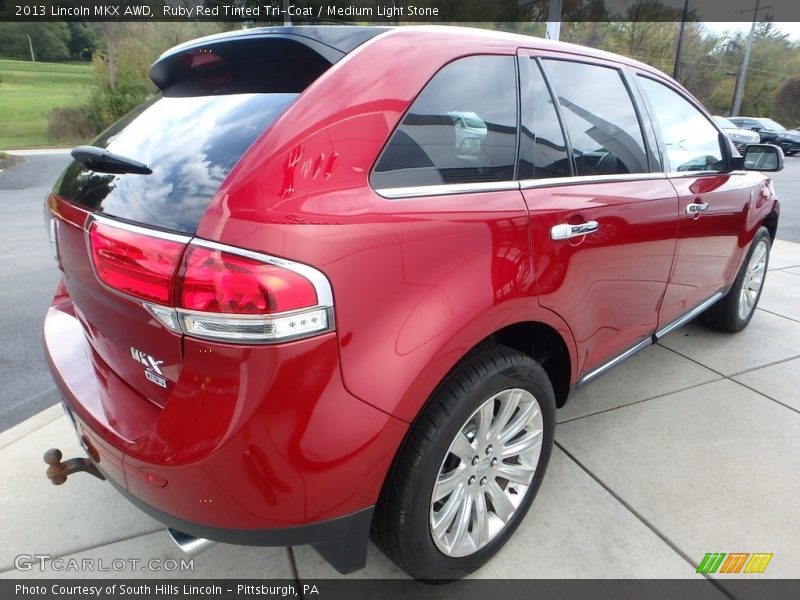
28	91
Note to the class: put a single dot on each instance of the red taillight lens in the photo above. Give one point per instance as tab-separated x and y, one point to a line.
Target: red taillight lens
214	292
138	265
221	282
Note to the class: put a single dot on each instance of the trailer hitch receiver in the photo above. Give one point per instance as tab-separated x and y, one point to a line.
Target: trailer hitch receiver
57	471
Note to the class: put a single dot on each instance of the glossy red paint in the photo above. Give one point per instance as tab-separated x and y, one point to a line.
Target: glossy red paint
113	323
230	449
272	436
710	244
608	286
310	186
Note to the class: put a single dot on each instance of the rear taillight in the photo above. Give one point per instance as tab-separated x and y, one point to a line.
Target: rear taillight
209	290
222	282
142	266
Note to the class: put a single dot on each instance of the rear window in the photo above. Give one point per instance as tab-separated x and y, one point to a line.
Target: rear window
190	143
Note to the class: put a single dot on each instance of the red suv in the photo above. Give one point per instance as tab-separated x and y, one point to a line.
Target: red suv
335	281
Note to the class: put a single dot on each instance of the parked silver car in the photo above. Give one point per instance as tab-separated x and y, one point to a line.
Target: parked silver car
739	136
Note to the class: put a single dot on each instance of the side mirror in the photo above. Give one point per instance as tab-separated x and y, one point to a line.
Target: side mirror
760	157
755	128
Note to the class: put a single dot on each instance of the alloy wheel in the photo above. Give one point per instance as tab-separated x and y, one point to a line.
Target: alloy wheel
753	279
486	472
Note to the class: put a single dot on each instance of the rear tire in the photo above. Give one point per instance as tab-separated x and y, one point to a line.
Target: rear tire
733	311
494	415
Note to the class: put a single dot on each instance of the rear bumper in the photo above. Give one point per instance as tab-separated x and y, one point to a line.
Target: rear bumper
272	451
341	541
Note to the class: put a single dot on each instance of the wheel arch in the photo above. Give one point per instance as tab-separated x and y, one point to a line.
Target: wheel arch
546	339
771	223
544	345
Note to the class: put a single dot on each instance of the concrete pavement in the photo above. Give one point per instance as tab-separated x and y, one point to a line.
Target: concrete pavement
689	447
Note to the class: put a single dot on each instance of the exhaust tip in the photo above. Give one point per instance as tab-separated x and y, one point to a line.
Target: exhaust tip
188	543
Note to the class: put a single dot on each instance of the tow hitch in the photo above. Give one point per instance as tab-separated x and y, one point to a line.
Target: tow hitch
58	471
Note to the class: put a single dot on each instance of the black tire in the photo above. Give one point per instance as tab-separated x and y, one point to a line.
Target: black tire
724	315
401	527
790	152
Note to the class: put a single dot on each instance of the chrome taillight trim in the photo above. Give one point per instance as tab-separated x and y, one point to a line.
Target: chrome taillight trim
124	225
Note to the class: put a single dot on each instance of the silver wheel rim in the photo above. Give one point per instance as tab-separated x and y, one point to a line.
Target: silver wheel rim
486	472
753	280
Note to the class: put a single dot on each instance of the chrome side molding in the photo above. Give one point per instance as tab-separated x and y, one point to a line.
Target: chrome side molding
614	361
688	316
655	337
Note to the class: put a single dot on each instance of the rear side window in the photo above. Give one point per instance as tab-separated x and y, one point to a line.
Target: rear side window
600	118
191	144
461	128
542	150
692	143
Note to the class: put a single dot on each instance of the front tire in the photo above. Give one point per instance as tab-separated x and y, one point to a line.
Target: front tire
470	467
733	312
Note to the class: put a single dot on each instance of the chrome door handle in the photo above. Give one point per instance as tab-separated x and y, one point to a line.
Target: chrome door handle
564	231
696	208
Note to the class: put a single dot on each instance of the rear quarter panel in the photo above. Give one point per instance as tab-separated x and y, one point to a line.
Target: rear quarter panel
416	282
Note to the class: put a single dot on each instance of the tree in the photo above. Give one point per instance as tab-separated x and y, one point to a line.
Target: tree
50	40
786	104
82	40
120	65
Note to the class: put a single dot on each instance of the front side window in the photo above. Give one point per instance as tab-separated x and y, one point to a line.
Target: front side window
462	128
692	143
600	118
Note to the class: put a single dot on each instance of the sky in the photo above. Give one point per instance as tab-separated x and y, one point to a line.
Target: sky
793	28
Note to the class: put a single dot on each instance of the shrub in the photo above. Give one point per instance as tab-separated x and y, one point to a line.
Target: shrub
70	124
107	106
786	102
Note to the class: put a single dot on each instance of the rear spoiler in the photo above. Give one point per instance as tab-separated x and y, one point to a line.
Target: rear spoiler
268	59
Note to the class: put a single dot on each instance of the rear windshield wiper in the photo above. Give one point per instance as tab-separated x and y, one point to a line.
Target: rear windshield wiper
100	159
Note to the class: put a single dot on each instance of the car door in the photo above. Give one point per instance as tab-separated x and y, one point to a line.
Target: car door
602	213
713	200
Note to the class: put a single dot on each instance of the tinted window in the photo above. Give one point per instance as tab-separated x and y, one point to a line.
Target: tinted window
460	129
771	125
691	141
600	118
542	151
725	123
190	143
